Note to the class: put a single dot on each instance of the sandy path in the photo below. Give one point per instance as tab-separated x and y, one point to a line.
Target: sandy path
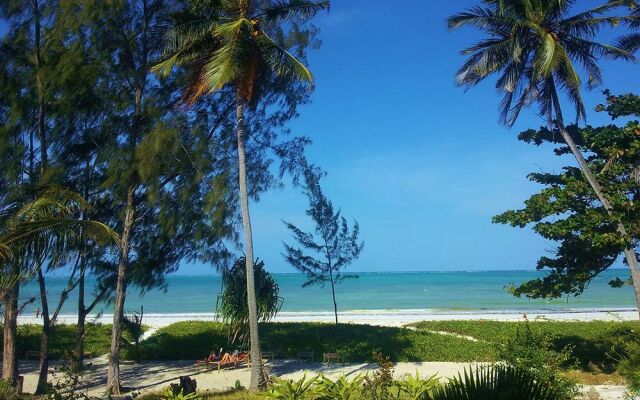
156	376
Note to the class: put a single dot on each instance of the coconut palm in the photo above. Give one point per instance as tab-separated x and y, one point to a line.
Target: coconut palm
631	42
29	224
535	47
227	44
49	215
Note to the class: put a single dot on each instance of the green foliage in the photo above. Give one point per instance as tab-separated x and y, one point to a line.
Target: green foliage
343	388
63	340
417	388
132	324
533	48
232	302
303	389
496	382
8	392
566	210
189	340
334	246
532	350
630	366
379	385
590	342
170	395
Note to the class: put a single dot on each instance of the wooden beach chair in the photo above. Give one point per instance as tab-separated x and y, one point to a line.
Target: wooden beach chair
329	358
234	360
206	362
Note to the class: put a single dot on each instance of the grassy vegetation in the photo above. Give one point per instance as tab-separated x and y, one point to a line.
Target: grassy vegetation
592	342
232	395
63	340
190	340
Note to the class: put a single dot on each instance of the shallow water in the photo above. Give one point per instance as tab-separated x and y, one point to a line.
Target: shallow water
400	291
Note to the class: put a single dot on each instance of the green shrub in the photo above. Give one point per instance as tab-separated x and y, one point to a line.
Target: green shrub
497	382
532	351
630	368
303	389
171	395
340	389
417	388
7	392
378	386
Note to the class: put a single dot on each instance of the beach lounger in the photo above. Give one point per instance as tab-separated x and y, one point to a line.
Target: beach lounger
329	358
235	360
208	360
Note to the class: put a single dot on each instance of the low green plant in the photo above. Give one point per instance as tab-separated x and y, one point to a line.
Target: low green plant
418	388
171	395
287	389
629	368
8	392
496	382
340	389
533	351
379	385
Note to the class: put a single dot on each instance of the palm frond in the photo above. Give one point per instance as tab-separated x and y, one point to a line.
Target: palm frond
281	62
284	9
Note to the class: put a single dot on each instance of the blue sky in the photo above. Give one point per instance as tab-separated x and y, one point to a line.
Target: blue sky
422	165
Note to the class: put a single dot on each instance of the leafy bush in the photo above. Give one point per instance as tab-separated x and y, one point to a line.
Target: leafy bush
378	386
171	395
7	392
303	389
340	389
417	388
630	368
497	382
232	303
532	351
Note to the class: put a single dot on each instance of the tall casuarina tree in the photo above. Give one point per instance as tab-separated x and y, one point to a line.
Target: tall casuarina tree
331	247
229	44
534	48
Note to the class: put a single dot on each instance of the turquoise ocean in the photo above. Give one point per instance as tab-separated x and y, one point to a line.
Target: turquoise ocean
390	291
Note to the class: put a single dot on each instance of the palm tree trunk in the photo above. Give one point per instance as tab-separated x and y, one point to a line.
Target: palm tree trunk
79	358
333	293
43	368
257	378
113	370
10	326
629	252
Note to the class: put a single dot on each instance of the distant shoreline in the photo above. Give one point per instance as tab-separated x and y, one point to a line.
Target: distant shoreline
383	317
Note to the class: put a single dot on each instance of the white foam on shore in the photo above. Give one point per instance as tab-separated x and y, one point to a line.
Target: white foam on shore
383	317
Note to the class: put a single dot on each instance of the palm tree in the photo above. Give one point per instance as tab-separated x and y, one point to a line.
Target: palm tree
534	46
228	44
29	224
631	42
